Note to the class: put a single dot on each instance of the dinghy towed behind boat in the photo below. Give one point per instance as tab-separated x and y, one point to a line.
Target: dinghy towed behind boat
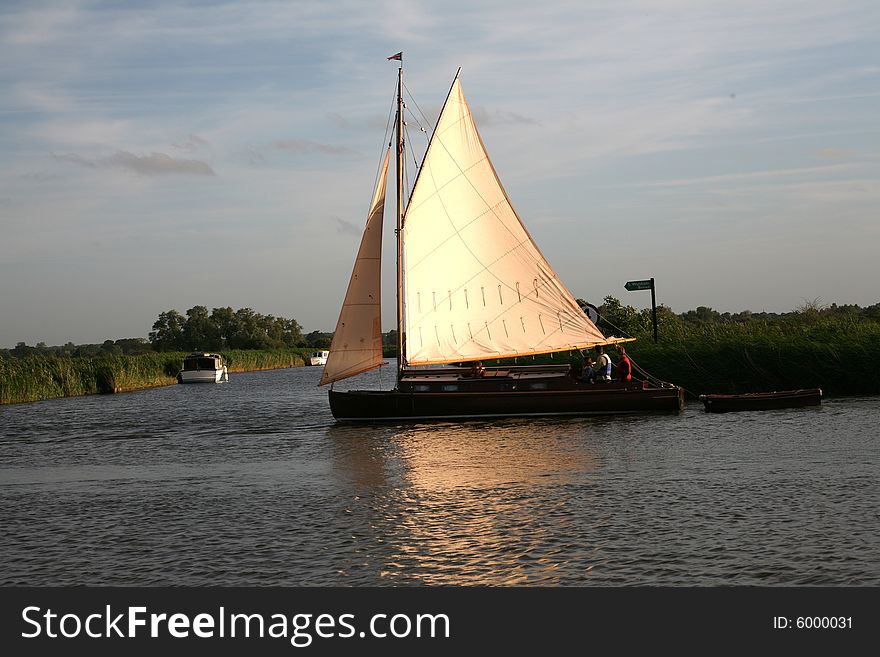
472	285
762	401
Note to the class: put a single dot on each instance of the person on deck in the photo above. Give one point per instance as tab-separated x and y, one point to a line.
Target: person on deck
624	366
603	365
477	369
588	371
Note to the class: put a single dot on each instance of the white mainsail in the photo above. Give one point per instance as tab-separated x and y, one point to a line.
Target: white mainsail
357	341
476	286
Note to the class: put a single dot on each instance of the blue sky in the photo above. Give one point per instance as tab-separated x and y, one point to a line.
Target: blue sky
161	155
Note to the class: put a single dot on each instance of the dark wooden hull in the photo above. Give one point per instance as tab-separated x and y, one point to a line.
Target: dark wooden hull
762	401
431	396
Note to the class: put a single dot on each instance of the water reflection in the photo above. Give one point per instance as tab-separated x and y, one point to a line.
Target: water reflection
252	483
455	503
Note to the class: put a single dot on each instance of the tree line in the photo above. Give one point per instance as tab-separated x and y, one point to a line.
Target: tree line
128	346
225	328
616	318
196	330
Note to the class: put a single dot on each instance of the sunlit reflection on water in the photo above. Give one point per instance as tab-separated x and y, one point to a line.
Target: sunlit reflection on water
253	483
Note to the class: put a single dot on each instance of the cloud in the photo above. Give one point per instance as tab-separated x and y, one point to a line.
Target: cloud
338	120
306	147
346	227
837	153
500	117
596	113
90	132
823	170
154	164
159	164
192	143
75	159
253	157
41	97
35	27
38	176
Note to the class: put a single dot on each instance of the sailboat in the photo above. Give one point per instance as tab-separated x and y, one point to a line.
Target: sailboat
472	286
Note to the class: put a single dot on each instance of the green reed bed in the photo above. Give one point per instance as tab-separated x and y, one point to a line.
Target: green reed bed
840	356
45	377
242	360
35	378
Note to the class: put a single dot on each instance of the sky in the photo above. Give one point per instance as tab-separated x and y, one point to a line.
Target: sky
162	155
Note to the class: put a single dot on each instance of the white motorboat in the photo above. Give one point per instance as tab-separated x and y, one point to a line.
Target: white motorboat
203	368
318	357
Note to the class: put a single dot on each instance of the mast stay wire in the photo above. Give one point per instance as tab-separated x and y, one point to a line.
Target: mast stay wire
421	126
386	142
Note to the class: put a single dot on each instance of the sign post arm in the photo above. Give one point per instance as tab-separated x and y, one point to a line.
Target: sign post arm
647	284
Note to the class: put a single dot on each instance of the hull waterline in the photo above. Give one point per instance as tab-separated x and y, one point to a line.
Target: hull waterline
486	399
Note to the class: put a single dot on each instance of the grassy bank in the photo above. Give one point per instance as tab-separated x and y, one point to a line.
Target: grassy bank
249	360
840	356
35	378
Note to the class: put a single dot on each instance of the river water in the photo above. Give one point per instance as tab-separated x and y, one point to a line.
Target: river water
253	483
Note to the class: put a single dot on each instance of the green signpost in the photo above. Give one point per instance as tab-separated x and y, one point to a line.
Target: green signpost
640	285
647	284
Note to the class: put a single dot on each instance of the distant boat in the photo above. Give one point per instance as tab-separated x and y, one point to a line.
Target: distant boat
318	357
203	368
472	285
762	401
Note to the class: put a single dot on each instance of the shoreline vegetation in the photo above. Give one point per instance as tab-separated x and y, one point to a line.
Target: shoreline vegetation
38	377
842	360
835	348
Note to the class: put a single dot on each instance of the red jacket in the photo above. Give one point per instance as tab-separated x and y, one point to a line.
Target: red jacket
624	369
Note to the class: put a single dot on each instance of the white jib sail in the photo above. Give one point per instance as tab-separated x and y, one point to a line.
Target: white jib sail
476	285
357	341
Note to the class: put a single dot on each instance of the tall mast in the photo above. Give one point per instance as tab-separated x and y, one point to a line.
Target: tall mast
399	231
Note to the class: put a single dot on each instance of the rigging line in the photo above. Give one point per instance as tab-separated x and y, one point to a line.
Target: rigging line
413	98
415	120
642	371
615	327
646	374
386	142
405	169
411	151
658	381
697	366
432	137
422	130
